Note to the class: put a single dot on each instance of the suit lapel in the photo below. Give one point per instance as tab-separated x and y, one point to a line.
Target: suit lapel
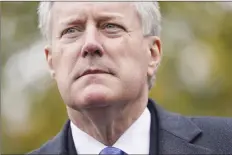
70	143
176	133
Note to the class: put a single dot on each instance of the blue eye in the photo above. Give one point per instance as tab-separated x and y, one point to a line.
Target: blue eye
72	32
69	31
111	26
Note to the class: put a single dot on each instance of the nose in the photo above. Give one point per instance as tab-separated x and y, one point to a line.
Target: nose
92	46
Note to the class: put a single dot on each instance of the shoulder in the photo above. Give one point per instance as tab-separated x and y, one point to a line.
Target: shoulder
56	144
216	132
214	124
48	147
40	150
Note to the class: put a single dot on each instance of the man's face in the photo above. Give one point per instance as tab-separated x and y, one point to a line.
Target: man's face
98	53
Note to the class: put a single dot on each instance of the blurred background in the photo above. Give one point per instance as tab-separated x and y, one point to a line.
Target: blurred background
195	76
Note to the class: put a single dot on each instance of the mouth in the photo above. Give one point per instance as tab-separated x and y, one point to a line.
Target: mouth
93	71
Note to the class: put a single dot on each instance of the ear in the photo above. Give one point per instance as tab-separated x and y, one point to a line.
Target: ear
155	54
48	54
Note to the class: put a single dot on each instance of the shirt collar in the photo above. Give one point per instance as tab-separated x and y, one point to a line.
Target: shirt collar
135	140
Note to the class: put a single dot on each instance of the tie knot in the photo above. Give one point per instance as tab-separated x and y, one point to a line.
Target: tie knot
112	150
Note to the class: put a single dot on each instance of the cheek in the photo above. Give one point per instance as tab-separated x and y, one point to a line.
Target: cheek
130	57
130	52
64	61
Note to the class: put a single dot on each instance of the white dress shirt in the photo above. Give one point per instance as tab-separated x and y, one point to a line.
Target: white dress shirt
135	140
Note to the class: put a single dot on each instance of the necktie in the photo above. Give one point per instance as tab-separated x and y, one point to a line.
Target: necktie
112	150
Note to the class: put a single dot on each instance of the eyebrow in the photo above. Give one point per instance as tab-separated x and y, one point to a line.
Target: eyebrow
72	20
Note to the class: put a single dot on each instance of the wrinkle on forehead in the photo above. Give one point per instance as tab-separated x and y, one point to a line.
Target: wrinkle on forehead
99	8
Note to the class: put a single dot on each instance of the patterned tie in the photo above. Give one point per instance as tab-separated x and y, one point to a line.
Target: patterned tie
112	150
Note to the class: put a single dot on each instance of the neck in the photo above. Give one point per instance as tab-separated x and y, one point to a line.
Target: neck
107	124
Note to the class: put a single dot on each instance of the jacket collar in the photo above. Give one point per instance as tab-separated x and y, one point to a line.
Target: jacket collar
177	133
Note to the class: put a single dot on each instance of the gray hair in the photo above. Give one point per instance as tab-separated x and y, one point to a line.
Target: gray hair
148	11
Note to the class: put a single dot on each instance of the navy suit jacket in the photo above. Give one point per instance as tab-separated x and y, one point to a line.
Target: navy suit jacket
177	135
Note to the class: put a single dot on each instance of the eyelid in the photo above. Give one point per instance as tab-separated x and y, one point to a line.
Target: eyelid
69	28
117	25
110	24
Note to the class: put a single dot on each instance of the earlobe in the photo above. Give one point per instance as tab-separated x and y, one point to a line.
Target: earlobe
48	54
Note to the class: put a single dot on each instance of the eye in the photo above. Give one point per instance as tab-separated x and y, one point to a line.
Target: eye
112	28
72	31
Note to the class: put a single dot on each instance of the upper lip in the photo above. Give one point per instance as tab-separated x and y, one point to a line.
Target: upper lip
93	71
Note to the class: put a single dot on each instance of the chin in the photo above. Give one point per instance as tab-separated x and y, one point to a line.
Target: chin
96	95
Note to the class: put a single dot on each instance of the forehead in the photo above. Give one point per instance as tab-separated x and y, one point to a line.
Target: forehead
123	9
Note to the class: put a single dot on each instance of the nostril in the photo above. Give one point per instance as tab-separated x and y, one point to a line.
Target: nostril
98	52
91	50
85	53
93	53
